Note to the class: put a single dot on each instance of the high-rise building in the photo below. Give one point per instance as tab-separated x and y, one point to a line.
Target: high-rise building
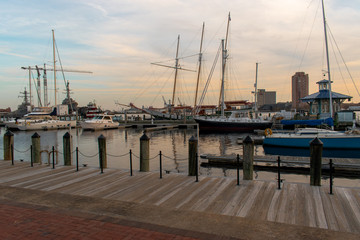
300	89
265	97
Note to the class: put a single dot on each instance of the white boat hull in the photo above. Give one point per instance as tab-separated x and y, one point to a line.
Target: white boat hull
87	125
47	125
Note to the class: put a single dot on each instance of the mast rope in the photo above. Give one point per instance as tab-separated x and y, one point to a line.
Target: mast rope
343	60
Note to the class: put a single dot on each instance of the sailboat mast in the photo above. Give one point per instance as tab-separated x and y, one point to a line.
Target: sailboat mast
199	69
255	85
225	47
53	35
327	60
223	76
176	70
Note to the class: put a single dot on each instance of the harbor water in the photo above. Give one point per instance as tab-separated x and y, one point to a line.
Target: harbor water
173	145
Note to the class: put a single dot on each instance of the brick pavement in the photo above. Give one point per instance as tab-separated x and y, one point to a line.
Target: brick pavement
21	221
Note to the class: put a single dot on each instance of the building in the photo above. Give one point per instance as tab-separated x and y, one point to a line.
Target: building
300	89
265	97
320	102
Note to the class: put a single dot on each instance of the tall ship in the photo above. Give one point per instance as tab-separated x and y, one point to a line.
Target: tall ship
243	120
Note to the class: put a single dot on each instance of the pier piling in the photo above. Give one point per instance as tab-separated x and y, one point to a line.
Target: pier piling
35	142
102	152
316	147
67	148
144	153
8	145
193	145
248	155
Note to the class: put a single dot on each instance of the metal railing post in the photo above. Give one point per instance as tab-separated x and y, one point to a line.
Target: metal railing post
31	156
12	154
131	171
77	159
197	167
160	165
331	176
238	168
279	177
53	155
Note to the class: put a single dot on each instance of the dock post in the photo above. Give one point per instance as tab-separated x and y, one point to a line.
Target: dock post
160	155
67	147
193	145
8	145
35	142
248	155
316	147
144	153
102	152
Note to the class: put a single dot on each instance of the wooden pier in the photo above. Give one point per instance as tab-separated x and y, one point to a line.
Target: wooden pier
295	203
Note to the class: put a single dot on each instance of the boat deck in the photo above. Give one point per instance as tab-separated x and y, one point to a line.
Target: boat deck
299	204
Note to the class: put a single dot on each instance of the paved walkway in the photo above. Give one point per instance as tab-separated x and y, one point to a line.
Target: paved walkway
23	221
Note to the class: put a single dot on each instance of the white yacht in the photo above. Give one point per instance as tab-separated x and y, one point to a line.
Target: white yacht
99	122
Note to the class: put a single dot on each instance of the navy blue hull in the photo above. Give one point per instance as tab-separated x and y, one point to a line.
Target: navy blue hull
245	127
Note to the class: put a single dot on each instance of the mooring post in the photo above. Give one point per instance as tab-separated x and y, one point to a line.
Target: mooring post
144	153
8	145
67	147
102	152
35	142
248	155
331	176
316	147
238	169
193	146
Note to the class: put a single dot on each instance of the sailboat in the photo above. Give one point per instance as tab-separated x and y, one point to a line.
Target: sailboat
238	121
332	140
48	122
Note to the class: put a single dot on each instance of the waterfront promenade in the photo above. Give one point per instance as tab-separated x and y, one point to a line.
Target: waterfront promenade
174	207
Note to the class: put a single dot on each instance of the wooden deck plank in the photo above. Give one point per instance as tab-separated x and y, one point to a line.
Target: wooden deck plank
295	203
40	176
244	210
319	209
261	204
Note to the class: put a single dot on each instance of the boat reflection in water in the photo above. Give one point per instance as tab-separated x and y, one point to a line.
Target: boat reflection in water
305	152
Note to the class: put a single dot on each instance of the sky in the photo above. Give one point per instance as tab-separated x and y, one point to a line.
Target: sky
117	40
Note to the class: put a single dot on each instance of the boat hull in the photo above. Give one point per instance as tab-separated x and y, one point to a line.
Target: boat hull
47	125
98	126
338	142
228	126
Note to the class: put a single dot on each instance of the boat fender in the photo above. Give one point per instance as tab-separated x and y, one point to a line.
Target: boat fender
268	132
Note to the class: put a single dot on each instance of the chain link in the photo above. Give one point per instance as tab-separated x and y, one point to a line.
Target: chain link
22	151
88	156
178	159
117	156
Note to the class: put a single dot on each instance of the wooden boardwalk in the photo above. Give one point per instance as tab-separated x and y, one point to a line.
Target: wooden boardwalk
295	203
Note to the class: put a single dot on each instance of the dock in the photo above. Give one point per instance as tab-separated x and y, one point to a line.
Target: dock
296	205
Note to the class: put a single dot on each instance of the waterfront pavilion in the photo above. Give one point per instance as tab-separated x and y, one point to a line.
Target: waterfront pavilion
320	102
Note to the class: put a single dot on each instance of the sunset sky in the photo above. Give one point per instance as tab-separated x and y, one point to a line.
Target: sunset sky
119	39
